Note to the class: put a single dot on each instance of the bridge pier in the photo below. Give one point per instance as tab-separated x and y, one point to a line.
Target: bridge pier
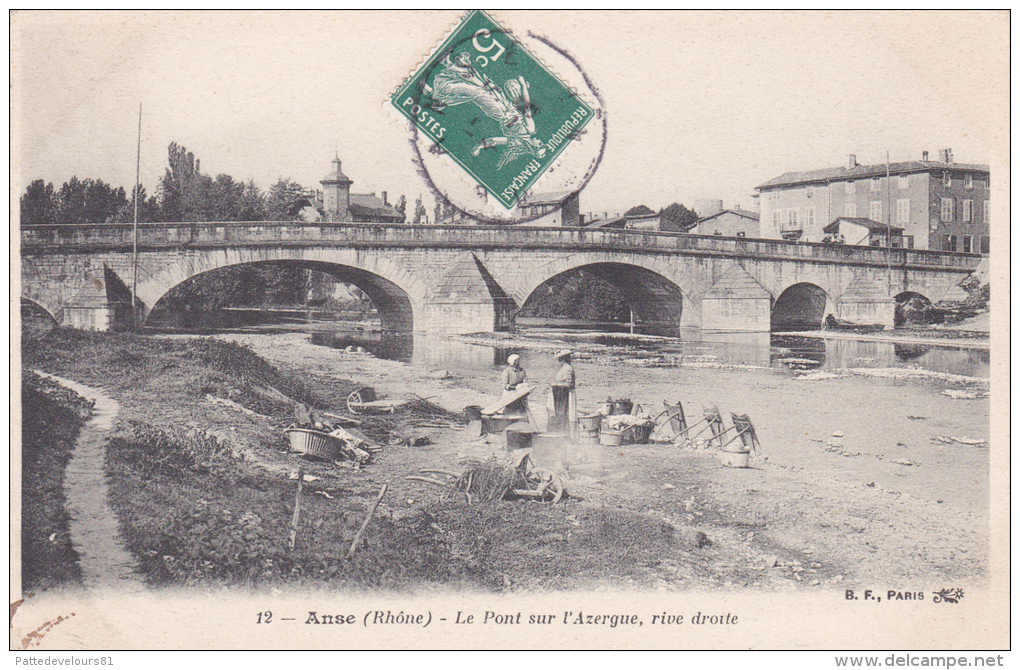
736	303
468	300
867	302
867	311
102	303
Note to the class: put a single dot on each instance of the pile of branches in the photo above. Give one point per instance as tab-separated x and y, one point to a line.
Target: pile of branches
484	482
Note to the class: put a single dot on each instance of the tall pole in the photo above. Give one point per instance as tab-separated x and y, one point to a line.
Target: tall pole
888	231
134	227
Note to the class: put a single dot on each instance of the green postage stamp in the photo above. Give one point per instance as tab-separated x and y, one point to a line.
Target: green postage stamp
493	107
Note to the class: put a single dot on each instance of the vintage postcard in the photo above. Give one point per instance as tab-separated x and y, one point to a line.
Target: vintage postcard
510	330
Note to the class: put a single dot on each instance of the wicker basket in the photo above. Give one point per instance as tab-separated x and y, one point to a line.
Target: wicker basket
314	443
639	433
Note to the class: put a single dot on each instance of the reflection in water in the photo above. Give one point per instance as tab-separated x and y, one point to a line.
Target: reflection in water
416	348
908	352
692	347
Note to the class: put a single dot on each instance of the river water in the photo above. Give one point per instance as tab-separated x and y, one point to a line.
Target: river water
691	348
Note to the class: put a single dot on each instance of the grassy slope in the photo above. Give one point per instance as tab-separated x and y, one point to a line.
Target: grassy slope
51	420
194	514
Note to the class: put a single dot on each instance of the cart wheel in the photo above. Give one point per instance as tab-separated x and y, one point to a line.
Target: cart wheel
548	484
353	399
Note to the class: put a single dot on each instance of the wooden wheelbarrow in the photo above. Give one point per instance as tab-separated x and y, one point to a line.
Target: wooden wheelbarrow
516	478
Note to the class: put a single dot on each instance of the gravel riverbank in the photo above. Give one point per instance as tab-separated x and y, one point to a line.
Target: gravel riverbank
863	475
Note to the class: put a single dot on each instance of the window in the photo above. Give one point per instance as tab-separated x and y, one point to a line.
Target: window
876	184
850	210
904	182
984	244
949	243
791	219
776	215
968	181
851	187
809	217
946	180
968	211
875	211
903	210
947	209
986	212
966	243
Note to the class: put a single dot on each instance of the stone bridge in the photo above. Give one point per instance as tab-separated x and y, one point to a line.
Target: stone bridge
457	279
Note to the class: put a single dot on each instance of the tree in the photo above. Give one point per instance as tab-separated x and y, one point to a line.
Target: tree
419	211
577	294
640	210
281	200
39	204
88	201
175	188
148	209
401	207
684	218
437	212
252	203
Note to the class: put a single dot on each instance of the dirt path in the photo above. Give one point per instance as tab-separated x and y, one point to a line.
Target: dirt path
106	564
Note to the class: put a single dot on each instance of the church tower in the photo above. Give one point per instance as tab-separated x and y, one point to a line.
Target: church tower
336	194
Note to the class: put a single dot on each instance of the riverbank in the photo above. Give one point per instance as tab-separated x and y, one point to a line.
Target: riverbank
847	498
856	491
51	421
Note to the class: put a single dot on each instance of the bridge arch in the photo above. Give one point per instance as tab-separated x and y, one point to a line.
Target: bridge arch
801	306
650	287
913	308
29	304
397	294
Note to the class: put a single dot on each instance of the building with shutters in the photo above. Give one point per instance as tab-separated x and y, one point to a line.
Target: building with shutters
939	204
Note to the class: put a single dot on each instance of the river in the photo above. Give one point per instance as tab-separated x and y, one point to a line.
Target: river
691	347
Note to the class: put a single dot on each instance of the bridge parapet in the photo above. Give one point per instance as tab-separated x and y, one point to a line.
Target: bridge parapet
112	236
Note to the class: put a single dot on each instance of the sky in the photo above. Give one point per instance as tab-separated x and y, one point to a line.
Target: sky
699	105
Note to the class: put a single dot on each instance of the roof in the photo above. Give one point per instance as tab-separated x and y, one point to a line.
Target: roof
335	175
738	212
615	222
553	198
369	205
865	171
874	226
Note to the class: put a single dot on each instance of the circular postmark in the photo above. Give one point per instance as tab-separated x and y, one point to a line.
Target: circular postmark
491	135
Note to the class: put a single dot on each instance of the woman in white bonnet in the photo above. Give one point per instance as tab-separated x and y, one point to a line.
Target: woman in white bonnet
512	376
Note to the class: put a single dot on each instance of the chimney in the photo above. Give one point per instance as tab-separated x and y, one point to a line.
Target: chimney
924	155
384	200
605	215
851	161
945	156
949	155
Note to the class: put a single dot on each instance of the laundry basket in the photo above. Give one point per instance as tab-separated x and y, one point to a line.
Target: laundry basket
314	443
